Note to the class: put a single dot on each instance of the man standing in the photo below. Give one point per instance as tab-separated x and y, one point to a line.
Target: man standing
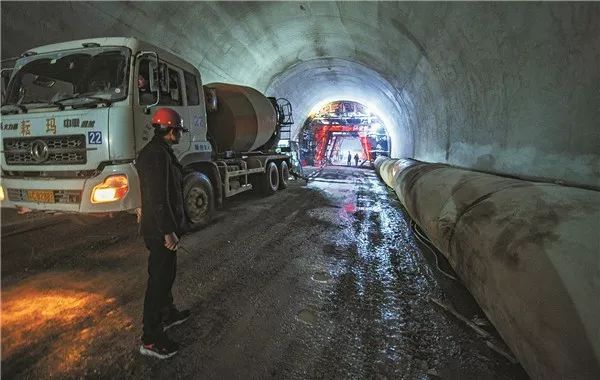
349	158
356	159
163	222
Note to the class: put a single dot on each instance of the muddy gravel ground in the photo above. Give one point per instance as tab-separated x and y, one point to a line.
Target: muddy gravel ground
321	280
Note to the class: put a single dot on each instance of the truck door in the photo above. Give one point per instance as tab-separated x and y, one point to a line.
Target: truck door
173	98
170	84
200	148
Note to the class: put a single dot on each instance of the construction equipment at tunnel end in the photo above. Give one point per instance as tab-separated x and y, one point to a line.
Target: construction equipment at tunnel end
527	251
76	114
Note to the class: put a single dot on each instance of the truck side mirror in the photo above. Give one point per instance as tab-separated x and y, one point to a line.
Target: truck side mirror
210	98
5	77
152	69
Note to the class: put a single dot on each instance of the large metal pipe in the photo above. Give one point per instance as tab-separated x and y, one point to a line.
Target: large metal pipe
528	252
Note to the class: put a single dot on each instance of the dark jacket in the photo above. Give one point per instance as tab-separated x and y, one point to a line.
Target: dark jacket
161	184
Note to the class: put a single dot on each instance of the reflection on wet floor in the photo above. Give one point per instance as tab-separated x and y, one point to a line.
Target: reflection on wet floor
384	322
52	328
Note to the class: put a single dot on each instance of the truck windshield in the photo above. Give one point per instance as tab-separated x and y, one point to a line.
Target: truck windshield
70	77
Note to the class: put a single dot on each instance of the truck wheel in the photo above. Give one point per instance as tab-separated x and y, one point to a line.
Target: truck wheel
198	200
270	180
284	175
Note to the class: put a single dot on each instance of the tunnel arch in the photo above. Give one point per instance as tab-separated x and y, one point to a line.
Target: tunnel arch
498	87
321	81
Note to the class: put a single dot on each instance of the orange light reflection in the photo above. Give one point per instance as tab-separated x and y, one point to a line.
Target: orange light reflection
61	322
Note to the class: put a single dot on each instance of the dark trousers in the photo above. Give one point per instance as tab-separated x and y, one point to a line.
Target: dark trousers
162	267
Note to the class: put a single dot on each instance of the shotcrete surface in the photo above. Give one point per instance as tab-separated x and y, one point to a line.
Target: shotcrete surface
321	280
496	86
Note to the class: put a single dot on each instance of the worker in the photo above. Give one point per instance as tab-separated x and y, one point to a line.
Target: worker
356	159
146	97
349	158
162	223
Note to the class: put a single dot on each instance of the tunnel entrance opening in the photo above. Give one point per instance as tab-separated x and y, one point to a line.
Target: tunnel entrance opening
343	133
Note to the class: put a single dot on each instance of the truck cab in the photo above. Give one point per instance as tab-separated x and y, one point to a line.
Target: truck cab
76	114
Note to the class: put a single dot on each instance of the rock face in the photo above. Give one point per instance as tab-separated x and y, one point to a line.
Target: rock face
527	251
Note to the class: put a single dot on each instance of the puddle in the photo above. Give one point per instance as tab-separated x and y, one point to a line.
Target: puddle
321	277
328	215
307	316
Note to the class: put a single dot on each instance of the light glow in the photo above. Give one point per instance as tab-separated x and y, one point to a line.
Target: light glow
112	189
66	322
371	108
1	193
317	107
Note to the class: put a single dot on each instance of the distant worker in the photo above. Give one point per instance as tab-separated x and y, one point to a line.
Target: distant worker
349	158
162	224
356	159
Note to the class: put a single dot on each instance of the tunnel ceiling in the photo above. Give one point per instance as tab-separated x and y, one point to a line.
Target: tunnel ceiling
511	88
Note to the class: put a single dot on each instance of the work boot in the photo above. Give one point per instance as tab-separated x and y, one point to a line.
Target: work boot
175	318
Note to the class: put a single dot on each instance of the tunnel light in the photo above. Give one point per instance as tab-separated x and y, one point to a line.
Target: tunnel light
317	107
112	189
1	193
383	117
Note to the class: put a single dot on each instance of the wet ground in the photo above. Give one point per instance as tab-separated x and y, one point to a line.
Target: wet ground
324	280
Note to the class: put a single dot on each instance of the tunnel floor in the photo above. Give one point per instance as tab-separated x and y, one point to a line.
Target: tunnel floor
321	280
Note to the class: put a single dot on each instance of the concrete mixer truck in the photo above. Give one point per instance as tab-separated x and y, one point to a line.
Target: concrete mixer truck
77	113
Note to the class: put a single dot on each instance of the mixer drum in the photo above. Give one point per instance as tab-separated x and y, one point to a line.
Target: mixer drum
245	119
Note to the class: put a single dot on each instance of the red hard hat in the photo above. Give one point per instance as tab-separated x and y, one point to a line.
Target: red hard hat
167	118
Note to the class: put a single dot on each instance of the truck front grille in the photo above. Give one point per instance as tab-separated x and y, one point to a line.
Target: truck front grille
45	150
60	196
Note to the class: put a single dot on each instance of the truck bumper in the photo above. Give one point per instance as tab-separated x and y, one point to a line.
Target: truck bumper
72	195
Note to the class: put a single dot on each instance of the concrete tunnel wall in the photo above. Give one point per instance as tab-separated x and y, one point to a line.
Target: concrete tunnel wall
528	252
503	87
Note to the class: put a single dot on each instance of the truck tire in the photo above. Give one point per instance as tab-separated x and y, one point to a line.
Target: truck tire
198	200
284	175
270	179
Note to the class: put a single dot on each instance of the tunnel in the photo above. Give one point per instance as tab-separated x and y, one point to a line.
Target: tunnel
338	132
473	95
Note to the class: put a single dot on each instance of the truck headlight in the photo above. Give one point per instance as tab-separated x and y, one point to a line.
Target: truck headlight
112	189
